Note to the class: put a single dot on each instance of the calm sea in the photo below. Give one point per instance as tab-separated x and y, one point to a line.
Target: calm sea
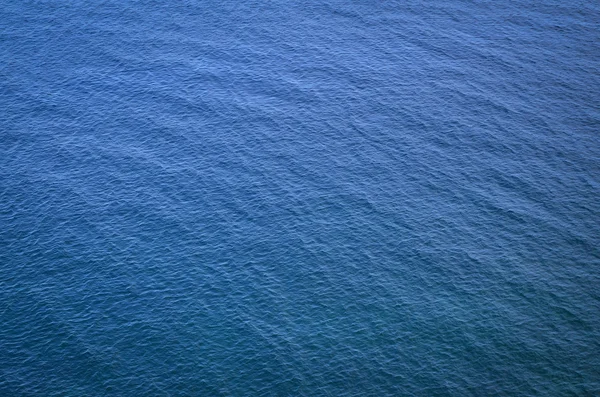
300	198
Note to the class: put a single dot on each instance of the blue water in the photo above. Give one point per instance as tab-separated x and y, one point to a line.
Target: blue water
336	198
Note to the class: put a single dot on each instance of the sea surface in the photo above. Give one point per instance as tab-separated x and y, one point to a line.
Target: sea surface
300	198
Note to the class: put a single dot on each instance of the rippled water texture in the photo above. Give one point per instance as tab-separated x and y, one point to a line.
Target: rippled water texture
335	198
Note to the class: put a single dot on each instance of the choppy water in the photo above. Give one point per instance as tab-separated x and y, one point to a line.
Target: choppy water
337	198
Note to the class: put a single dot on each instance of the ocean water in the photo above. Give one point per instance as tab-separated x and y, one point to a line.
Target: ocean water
296	198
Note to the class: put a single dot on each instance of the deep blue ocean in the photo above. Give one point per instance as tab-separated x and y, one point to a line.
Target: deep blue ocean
300	198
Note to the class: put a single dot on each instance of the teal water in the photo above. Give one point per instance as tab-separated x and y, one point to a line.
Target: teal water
299	198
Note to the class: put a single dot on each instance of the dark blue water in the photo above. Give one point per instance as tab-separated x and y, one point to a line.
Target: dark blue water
336	198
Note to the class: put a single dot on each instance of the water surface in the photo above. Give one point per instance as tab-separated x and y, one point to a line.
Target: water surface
299	198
